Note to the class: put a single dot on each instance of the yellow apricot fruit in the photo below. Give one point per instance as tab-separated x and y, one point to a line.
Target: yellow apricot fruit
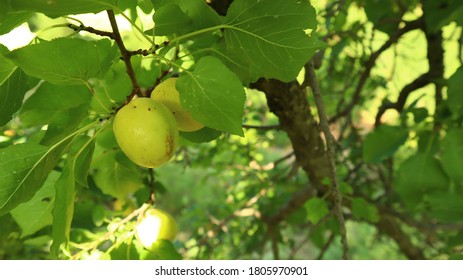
167	94
155	225
146	132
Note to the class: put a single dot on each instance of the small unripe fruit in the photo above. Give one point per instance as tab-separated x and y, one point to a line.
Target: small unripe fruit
146	132
156	225
167	94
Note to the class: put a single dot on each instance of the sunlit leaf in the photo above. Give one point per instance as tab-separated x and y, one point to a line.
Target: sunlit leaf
197	11
170	19
23	170
63	124
116	175
57	8
76	165
213	95
266	38
112	89
50	100
12	91
40	205
12	19
65	61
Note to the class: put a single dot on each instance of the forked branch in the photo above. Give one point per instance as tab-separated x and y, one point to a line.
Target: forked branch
125	56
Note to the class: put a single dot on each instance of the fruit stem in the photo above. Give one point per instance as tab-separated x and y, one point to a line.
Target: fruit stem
152	198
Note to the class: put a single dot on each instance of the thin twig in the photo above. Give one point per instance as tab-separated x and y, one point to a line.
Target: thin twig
326	246
263	127
280	160
92	30
125	56
140	52
152	182
330	145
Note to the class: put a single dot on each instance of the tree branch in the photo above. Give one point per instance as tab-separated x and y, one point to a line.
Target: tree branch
326	246
311	78
125	56
92	30
418	83
263	127
435	55
370	63
388	225
289	102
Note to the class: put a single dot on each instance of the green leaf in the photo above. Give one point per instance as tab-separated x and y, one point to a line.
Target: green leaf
116	175
445	207
419	175
203	135
266	38
452	156
65	61
317	208
383	142
12	19
380	12
364	210
428	141
170	19
213	95
437	14
23	170
63	124
49	101
106	138
58	8
112	89
197	11
455	92
12	91
161	250
6	66
63	210
35	214
83	159
125	252
76	165
345	188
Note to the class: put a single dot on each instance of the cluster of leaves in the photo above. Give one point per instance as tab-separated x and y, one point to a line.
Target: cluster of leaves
398	96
